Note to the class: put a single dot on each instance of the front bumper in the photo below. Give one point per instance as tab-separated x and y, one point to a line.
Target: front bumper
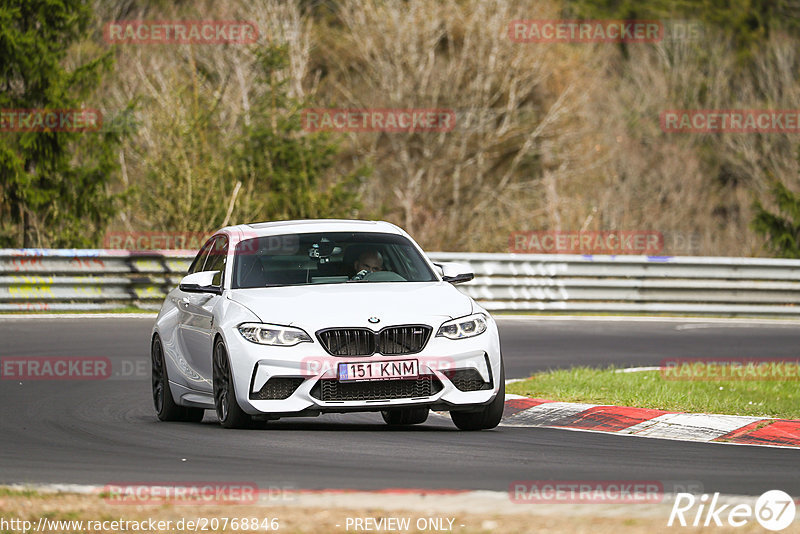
442	364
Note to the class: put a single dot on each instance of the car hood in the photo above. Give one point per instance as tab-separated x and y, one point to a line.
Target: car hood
331	305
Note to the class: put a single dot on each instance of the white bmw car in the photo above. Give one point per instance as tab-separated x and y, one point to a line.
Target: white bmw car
299	318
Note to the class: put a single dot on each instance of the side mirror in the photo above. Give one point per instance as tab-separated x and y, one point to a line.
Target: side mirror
455	273
201	282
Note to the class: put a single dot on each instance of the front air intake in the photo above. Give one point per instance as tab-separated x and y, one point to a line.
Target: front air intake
371	390
277	388
467	379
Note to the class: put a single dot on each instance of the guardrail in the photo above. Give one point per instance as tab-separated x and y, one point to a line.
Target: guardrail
72	279
82	279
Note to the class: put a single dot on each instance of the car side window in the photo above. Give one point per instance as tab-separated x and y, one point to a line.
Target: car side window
200	259
217	258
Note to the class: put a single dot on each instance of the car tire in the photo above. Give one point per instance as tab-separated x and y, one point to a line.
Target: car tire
166	407
405	416
489	416
229	413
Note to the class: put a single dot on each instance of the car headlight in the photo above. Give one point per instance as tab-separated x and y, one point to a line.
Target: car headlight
272	334
469	326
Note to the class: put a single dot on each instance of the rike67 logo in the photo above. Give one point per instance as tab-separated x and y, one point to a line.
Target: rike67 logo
774	510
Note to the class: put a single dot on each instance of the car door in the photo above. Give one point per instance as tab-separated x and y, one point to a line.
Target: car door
176	344
197	320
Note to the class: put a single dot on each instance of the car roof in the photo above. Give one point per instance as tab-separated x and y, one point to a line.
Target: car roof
310	226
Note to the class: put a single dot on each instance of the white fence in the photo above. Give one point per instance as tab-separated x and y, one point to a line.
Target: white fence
32	279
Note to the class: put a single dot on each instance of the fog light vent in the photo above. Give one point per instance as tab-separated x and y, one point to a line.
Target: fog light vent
467	379
278	388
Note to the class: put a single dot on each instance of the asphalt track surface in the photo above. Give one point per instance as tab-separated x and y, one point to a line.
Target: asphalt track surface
102	432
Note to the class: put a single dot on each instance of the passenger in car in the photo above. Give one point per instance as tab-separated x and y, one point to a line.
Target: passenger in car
370	261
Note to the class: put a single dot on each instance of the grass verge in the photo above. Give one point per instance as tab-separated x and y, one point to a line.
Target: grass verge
647	389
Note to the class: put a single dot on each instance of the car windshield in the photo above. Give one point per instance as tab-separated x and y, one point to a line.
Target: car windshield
328	258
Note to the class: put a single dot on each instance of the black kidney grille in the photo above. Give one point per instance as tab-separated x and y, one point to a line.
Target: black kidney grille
393	340
348	341
333	390
403	339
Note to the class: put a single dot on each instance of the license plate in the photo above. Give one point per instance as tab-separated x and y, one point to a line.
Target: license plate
391	370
